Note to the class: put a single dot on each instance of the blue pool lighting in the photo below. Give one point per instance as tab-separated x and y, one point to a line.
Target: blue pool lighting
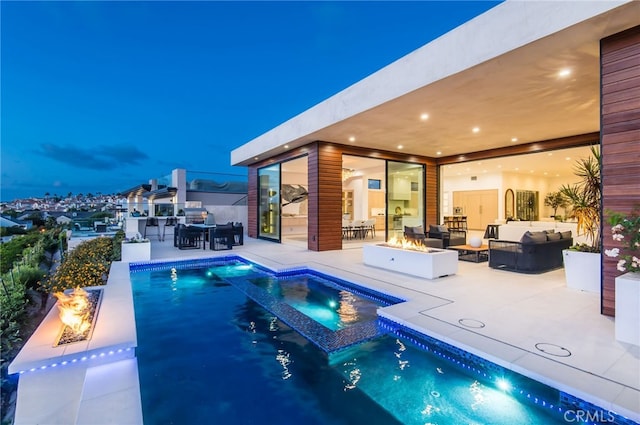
272	335
503	384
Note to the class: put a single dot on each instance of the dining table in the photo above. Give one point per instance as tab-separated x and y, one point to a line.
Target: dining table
205	229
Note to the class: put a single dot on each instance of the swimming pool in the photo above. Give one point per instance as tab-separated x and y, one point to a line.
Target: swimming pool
209	353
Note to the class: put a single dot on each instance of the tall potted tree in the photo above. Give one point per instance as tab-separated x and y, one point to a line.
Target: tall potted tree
582	262
555	200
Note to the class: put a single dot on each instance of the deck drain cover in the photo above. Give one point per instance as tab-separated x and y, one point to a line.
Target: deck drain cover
553	349
471	323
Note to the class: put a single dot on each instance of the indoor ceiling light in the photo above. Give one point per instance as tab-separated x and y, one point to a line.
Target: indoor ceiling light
514	139
424	117
476	129
399	146
564	73
352	139
286	146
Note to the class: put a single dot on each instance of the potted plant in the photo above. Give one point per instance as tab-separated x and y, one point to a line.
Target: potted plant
582	262
626	230
136	248
555	200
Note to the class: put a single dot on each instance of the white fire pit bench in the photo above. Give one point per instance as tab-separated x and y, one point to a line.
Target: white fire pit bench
430	264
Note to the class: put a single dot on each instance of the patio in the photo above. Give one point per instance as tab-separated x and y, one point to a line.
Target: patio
519	321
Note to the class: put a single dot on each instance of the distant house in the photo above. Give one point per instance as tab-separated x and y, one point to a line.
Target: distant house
63	219
11	222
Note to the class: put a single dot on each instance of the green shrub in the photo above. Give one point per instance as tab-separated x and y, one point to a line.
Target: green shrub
13	300
29	277
12	251
117	245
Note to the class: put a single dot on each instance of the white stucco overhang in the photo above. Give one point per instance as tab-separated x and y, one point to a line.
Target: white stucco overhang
498	71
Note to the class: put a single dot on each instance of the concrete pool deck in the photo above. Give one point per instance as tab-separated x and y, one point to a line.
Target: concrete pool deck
502	316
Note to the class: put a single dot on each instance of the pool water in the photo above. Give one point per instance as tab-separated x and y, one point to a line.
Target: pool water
208	354
332	307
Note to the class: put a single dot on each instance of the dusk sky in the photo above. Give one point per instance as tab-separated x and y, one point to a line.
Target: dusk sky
102	96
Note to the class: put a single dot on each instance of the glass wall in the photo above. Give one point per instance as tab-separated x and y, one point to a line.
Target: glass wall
405	197
269	202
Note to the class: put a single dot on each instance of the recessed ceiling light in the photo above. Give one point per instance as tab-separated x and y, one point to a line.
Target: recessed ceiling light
400	146
255	158
424	117
514	139
476	129
286	146
352	139
550	154
568	158
438	153
564	73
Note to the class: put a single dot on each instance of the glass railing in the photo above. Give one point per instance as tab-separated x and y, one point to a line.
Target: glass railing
201	181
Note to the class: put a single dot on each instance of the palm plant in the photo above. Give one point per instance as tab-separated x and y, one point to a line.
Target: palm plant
585	197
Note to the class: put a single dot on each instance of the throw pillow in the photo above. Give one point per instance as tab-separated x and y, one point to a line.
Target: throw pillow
418	231
553	236
442	228
566	234
533	237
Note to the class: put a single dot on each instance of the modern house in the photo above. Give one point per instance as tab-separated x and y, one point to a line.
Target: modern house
187	195
522	79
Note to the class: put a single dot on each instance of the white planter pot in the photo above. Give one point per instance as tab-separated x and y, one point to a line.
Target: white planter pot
628	308
138	251
582	270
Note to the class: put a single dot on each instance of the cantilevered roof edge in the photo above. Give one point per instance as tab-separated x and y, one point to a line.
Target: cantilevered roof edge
506	27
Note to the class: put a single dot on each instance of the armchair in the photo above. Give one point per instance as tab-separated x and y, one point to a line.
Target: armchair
416	235
449	237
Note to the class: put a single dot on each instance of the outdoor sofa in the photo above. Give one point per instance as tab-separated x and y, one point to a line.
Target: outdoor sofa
536	252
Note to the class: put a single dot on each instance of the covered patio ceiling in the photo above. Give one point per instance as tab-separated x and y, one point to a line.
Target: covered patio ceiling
516	97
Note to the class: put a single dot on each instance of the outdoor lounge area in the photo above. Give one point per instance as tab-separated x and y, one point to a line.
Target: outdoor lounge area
479	309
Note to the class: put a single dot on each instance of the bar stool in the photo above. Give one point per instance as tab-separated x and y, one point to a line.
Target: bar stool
171	222
151	222
491	231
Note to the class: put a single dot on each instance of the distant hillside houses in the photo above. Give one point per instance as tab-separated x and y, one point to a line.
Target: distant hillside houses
15	222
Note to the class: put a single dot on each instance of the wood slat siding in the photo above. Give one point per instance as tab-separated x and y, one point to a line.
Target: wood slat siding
252	203
620	100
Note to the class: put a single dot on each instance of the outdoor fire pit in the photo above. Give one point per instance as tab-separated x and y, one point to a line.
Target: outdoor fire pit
417	260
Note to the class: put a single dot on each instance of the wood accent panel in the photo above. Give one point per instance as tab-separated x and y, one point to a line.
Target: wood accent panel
252	202
325	198
620	101
525	148
432	197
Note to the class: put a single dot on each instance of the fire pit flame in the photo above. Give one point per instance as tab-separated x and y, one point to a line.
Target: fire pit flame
74	310
407	244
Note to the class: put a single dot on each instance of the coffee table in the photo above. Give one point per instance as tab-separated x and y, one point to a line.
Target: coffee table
473	254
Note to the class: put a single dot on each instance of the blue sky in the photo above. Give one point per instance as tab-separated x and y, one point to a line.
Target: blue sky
102	96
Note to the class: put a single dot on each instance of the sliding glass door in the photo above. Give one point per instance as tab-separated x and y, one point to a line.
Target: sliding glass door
405	197
269	210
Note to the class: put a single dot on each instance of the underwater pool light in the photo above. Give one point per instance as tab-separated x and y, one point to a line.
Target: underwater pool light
503	384
332	304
